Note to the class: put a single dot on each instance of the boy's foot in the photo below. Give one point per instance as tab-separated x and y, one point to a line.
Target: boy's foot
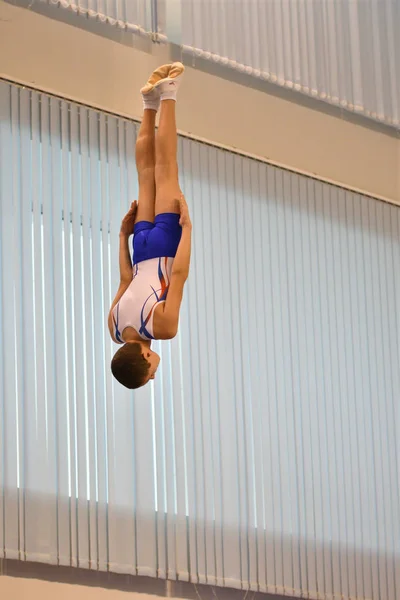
162	85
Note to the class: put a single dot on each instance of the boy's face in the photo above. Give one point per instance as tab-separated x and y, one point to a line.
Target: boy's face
154	360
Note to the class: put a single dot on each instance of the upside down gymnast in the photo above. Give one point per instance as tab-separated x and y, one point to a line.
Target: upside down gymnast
147	304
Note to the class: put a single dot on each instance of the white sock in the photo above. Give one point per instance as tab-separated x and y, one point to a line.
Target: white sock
151	100
168	96
169	88
151	103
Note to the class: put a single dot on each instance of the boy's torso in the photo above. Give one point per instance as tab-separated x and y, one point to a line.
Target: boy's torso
140	309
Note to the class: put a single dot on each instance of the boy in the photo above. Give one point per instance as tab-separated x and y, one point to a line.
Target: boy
149	297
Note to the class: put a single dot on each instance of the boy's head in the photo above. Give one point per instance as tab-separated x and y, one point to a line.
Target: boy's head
134	365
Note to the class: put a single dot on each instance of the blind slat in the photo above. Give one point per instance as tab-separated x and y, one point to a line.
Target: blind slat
19	289
9	466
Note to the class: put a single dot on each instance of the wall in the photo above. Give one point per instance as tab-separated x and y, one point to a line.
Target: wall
12	588
20	581
106	74
21	589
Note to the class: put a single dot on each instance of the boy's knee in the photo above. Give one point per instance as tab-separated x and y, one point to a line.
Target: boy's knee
145	170
166	172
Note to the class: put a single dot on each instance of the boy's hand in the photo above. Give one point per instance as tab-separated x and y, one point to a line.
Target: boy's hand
184	221
128	222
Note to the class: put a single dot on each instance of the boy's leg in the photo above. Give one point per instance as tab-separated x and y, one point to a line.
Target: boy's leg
168	191
166	172
145	164
163	81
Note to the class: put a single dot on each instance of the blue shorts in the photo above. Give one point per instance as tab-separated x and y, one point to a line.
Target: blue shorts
154	240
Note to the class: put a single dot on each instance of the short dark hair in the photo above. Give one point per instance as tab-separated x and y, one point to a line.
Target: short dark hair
129	366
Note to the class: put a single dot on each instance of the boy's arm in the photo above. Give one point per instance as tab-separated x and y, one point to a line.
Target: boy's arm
125	263
123	286
179	275
125	274
127	226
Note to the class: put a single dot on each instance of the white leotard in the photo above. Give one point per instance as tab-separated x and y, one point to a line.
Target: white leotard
149	287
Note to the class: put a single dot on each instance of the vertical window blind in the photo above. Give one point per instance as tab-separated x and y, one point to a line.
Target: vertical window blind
345	52
136	16
265	454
